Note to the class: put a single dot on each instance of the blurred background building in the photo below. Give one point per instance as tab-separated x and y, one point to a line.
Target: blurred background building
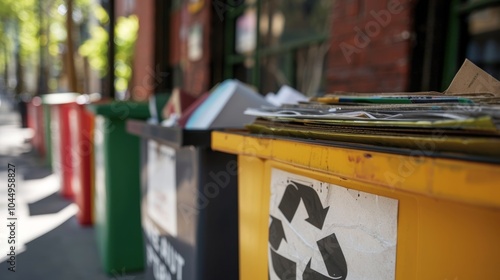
316	46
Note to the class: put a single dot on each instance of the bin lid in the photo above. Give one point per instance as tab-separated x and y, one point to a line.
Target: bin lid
121	110
175	137
59	98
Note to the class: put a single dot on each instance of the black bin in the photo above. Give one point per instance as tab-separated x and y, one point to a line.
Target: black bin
189	207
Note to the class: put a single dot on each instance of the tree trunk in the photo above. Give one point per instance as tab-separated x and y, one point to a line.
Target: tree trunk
19	65
42	75
6	69
72	81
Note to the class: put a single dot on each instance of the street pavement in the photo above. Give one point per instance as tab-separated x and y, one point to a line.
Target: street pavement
49	242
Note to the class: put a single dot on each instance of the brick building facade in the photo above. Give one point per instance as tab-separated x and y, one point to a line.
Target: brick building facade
374	45
370	46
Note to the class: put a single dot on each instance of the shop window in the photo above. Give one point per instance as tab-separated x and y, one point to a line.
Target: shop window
276	42
483	46
474	33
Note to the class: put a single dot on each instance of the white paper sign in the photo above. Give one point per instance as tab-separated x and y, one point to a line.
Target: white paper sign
100	174
55	135
195	42
246	35
162	195
323	231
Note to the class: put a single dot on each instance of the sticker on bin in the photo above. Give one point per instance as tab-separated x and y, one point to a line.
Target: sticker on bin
162	195
319	230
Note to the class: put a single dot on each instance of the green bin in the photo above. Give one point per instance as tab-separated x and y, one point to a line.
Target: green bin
117	186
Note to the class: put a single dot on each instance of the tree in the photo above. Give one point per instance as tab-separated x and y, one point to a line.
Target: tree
18	37
96	47
72	80
34	34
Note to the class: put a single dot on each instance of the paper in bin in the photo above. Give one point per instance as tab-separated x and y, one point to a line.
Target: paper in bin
224	107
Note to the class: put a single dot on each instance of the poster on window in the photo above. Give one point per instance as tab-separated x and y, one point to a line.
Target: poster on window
246	32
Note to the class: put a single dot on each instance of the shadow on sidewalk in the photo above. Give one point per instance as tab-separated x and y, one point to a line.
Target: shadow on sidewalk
67	252
49	205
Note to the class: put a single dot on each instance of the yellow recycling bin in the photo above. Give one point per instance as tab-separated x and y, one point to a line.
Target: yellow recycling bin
315	211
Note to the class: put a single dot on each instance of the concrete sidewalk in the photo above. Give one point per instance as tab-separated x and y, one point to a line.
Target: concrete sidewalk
50	244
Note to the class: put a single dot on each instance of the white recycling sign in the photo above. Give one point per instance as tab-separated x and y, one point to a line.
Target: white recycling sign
319	230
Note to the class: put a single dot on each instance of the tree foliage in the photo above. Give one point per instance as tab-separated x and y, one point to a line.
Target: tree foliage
23	31
19	32
30	26
96	47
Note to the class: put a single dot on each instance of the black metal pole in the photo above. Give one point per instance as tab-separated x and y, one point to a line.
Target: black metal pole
111	48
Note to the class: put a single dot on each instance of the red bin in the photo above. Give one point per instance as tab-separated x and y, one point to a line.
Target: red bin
63	118
82	136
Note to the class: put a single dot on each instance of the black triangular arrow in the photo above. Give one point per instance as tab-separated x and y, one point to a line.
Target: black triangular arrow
291	199
333	257
310	274
314	207
276	233
290	202
283	267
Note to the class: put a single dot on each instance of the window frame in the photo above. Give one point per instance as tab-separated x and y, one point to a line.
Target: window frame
288	49
459	10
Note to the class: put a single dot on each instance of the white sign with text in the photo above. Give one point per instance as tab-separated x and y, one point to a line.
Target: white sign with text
162	194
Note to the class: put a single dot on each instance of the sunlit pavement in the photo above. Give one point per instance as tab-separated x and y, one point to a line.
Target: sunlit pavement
49	243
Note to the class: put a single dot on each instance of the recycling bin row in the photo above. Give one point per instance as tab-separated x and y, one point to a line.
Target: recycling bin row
307	210
175	198
97	165
197	204
62	135
167	201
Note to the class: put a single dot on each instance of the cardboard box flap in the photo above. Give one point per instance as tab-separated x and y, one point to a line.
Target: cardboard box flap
472	79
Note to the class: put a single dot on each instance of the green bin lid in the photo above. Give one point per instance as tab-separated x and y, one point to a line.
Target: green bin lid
121	110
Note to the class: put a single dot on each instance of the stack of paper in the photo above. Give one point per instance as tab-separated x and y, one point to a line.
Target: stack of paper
464	119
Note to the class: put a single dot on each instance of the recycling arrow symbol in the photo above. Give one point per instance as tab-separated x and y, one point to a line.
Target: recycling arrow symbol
276	233
333	257
283	267
329	246
291	199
